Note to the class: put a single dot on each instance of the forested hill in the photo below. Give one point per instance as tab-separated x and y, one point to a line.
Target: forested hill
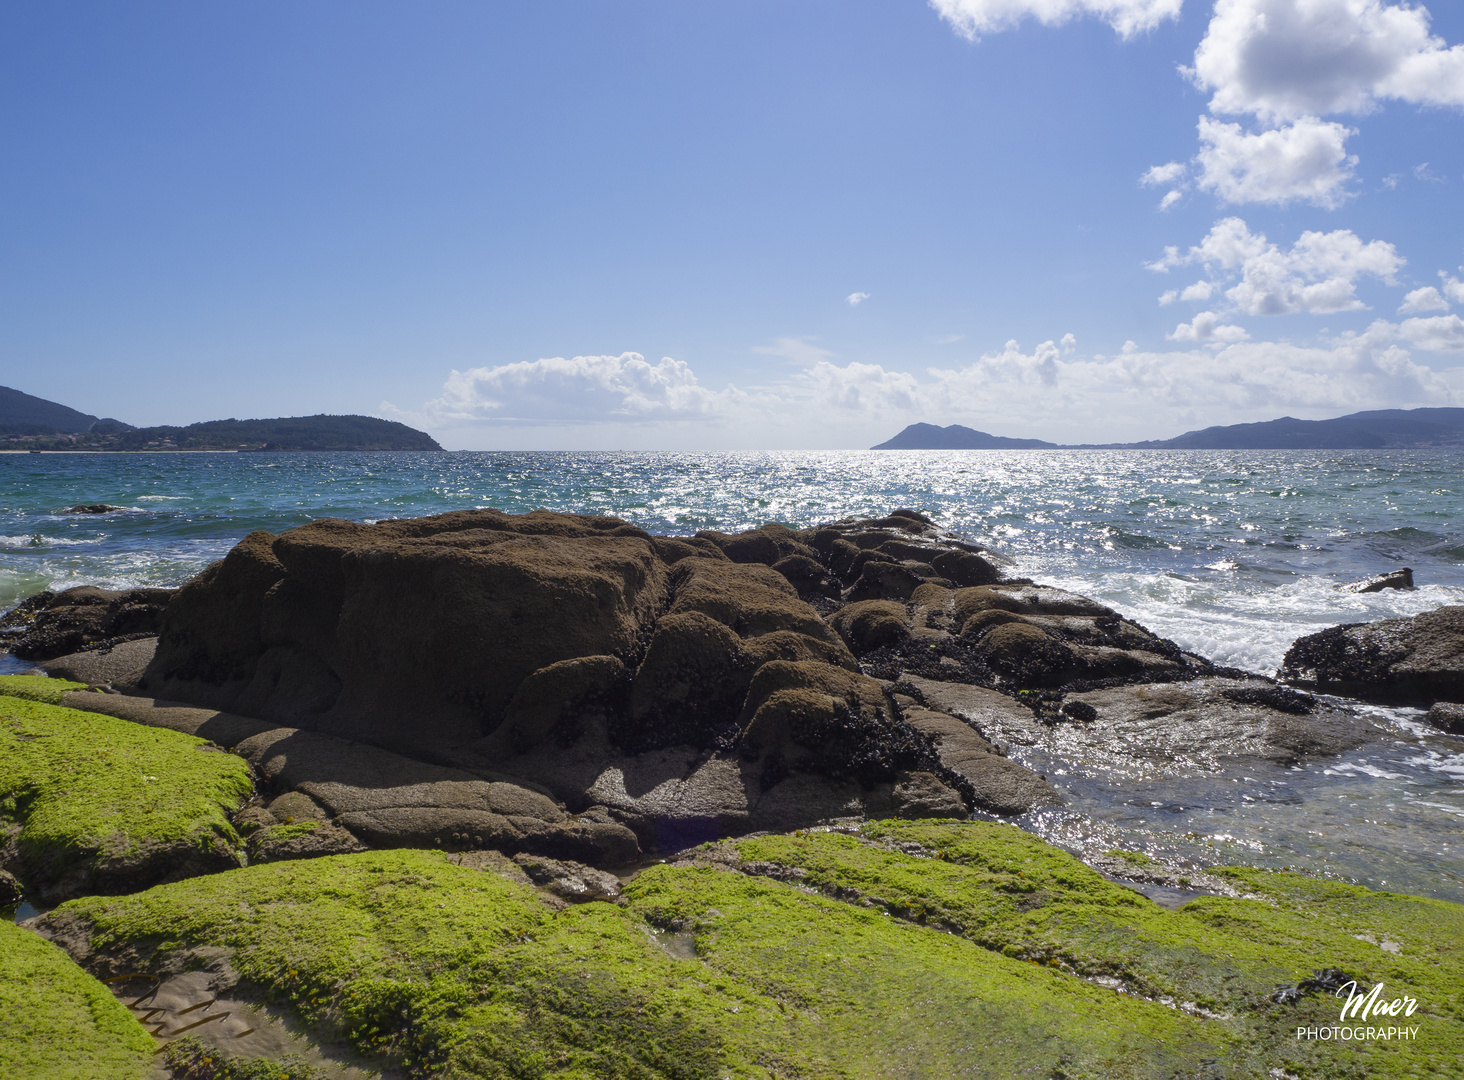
322	432
32	423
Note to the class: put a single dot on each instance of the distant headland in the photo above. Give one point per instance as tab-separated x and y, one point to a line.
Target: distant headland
32	423
1379	429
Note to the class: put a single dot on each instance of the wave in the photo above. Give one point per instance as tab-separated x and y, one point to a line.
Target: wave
36	540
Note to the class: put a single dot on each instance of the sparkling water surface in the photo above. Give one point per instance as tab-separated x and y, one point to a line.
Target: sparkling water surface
1233	554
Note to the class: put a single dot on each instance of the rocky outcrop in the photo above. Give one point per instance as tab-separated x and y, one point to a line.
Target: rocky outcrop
1157	728
678	688
1396	579
1416	660
53	624
1447	716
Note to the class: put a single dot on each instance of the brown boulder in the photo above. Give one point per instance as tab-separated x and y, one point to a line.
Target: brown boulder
807	575
1401	660
965	569
750	599
1028	657
350	628
886	581
556	702
766	544
810	717
689	688
870	624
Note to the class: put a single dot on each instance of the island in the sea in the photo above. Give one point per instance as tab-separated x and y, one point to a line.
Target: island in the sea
32	423
1377	429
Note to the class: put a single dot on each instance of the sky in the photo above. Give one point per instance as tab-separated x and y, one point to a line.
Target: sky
768	224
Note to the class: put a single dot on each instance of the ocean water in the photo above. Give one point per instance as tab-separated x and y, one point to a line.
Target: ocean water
1232	554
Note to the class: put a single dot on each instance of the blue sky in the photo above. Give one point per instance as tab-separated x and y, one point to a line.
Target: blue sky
784	224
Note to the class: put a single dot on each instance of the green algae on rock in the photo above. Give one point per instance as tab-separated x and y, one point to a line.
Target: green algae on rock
60	1023
89	803
37	688
934	949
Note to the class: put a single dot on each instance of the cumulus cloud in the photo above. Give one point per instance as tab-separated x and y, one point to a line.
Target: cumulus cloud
1161	175
1441	333
1206	326
1425	299
1317	275
795	350
1281	60
1452	286
1050	391
973	18
856	298
578	390
1304	161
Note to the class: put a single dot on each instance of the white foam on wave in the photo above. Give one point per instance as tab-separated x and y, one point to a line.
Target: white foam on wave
36	540
1245	620
1361	768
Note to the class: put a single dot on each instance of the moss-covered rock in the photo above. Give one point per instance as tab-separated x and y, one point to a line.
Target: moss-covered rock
93	803
37	688
60	1023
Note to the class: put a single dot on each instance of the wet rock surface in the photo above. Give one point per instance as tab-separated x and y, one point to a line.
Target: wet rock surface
52	624
1416	660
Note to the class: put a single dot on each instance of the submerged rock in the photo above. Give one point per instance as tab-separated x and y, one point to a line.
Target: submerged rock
1397	579
1406	660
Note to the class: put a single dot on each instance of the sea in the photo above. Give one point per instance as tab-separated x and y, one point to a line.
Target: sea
1232	554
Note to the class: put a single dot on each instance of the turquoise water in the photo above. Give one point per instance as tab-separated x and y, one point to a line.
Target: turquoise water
1233	554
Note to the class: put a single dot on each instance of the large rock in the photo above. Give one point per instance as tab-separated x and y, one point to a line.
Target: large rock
351	628
118	667
1418	660
54	624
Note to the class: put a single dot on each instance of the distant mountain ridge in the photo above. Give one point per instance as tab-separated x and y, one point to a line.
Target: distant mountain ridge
33	423
1376	429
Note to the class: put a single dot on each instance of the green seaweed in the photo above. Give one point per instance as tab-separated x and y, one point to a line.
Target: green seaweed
1013	894
37	687
191	1059
60	1023
97	797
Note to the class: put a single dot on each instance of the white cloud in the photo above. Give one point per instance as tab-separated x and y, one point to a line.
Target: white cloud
973	18
1453	287
794	350
1306	161
1286	59
1168	297
856	298
1052	392
1170	198
1317	275
1207	326
1391	181
579	390
1441	333
1425	299
1160	175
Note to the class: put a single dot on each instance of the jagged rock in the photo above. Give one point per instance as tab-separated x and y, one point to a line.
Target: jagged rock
93	508
767	544
10	891
49	624
1397	579
1418	659
1447	717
